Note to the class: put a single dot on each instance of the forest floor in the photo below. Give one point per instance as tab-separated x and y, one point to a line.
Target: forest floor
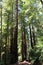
27	63
23	63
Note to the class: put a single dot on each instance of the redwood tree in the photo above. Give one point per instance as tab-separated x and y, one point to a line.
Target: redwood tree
14	49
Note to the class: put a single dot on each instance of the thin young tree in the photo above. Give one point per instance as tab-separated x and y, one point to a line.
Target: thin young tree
31	40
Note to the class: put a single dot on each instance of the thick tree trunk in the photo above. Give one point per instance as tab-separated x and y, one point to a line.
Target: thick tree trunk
24	46
14	49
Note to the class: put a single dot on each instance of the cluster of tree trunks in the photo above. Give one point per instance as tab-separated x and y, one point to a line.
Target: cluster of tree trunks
14	35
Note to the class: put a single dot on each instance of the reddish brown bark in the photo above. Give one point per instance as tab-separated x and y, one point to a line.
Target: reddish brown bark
14	50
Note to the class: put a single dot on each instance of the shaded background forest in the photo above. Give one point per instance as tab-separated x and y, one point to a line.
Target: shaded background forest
21	31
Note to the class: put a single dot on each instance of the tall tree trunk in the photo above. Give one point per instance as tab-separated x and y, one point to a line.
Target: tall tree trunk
31	36
12	40
6	41
1	33
8	27
14	49
34	41
16	34
11	46
24	46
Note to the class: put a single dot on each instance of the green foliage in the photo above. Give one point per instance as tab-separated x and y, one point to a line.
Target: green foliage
36	53
1	63
30	12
